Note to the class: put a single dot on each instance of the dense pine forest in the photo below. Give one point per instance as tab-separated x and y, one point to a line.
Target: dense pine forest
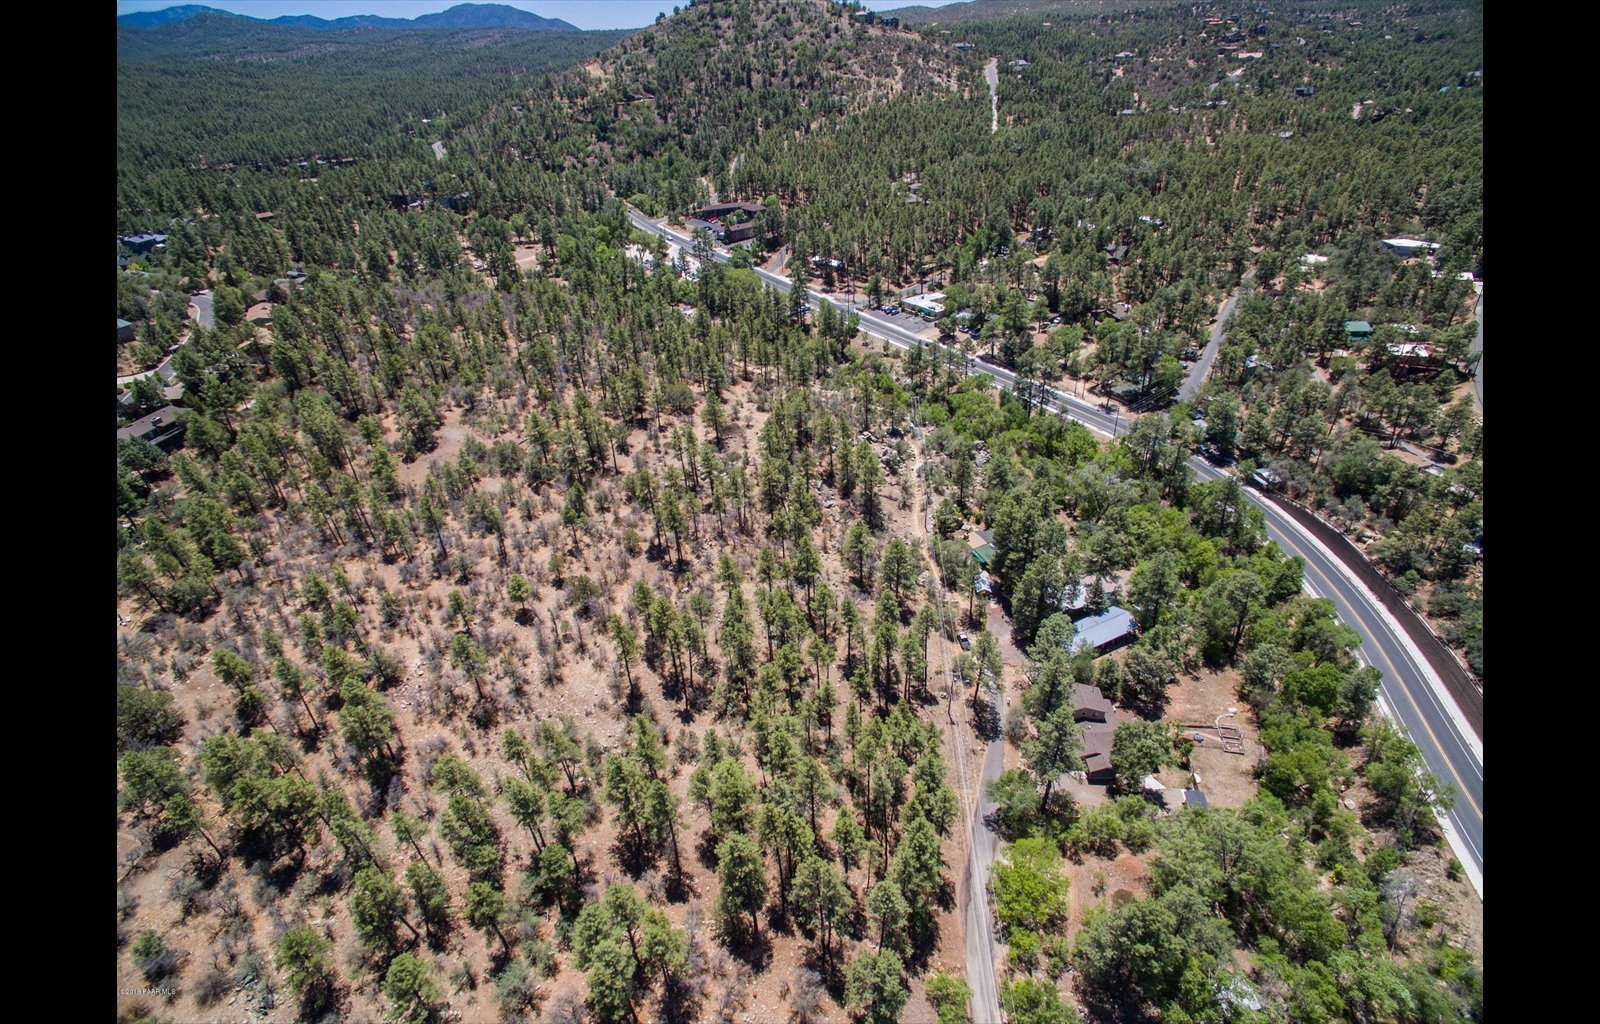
516	624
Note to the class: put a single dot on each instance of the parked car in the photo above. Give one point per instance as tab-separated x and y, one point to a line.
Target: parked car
966	641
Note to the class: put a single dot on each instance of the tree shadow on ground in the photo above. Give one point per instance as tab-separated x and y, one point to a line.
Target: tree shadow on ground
985	719
633	856
680	888
830	970
753	949
705	850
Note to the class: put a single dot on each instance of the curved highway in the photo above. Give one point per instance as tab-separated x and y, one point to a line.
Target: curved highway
1411	694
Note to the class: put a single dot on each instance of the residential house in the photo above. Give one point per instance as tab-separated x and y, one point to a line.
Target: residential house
1078	598
1110	629
982	544
144	241
159	428
718	210
1089	704
1406	248
1097	752
1413	355
1357	330
1124	56
1305	90
1115	254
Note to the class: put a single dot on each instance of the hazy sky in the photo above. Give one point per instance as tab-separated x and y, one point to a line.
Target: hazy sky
586	14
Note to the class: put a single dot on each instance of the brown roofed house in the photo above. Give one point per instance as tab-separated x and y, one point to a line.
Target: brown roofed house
1089	704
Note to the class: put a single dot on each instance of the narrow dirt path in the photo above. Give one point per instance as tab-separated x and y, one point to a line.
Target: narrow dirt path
977	922
991	73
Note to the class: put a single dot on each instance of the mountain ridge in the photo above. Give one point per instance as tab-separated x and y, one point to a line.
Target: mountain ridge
461	16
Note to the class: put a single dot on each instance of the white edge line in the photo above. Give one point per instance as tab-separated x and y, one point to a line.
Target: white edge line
1469	738
1458	846
1419	663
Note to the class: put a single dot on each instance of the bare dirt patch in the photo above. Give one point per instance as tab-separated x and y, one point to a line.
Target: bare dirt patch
1208	696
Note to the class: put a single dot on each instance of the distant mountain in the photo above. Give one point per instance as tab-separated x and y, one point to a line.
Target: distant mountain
167	16
491	16
461	16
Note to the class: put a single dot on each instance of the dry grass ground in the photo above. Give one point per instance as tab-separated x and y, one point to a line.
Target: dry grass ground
550	664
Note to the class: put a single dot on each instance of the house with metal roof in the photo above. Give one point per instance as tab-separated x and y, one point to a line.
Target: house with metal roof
1357	330
1111	628
144	241
1405	248
983	549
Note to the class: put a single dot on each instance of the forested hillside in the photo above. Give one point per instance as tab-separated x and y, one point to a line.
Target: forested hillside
518	624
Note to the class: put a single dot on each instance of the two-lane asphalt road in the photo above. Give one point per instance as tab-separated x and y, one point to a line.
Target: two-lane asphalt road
1411	693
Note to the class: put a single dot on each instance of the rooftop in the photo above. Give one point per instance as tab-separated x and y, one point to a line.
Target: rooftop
162	421
1089	698
1097	631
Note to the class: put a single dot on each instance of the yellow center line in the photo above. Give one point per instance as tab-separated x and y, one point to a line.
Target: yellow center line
1461	787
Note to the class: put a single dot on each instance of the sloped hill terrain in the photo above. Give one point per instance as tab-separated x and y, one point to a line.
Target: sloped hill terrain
682	99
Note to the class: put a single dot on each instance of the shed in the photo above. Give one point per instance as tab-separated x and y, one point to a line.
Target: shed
124	331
